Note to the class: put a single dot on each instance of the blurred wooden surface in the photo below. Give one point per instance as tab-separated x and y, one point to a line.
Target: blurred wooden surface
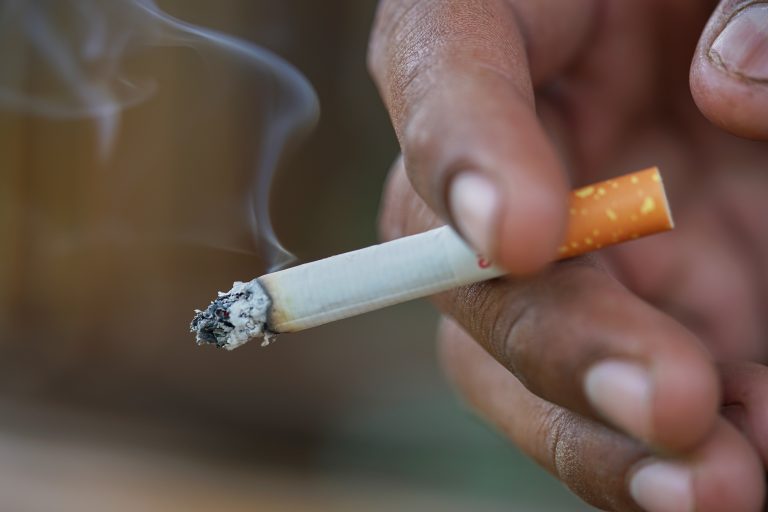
80	468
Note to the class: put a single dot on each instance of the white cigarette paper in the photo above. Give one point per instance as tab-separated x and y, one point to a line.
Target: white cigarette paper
372	278
341	286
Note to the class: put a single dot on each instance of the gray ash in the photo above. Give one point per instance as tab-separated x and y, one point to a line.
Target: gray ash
212	325
234	317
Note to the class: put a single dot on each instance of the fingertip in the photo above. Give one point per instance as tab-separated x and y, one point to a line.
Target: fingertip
516	217
666	396
477	153
734	105
728	474
519	225
686	396
532	222
721	474
729	74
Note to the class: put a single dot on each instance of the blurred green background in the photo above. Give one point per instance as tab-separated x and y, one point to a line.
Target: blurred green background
106	402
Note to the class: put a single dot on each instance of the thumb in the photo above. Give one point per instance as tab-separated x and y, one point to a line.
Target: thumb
729	75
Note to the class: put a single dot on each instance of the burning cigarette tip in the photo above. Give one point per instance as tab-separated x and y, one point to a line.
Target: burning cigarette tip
234	317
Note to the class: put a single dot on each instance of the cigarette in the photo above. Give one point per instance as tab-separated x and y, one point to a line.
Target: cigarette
345	285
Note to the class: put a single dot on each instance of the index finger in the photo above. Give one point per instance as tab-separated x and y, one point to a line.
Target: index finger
576	337
457	78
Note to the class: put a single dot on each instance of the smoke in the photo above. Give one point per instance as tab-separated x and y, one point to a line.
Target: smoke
66	59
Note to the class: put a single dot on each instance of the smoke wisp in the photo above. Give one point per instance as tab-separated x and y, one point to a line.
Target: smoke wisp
69	59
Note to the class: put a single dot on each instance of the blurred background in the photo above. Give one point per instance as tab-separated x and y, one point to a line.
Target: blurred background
136	159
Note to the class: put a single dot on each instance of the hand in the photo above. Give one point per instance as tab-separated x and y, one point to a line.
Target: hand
497	105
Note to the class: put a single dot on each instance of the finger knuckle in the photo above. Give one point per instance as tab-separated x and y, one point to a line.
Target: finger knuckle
561	448
499	318
513	335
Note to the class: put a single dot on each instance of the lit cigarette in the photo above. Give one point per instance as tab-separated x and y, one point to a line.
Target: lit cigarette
416	266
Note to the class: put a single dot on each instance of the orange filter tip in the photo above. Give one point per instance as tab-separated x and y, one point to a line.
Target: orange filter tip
615	211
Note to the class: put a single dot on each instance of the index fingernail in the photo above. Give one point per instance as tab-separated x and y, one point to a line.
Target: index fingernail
473	202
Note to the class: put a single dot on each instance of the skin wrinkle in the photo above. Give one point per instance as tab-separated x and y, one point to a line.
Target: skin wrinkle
411	83
406	62
499	331
510	331
423	46
391	68
410	64
523	340
478	298
563	457
567	434
525	31
387	28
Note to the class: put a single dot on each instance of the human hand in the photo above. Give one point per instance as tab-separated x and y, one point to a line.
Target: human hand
522	96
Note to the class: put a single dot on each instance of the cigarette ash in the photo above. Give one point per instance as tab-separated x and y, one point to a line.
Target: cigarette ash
234	318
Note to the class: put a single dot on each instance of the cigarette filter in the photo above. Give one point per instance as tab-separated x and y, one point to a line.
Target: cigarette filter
357	282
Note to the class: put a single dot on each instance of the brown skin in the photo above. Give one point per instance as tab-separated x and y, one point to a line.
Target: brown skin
542	95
